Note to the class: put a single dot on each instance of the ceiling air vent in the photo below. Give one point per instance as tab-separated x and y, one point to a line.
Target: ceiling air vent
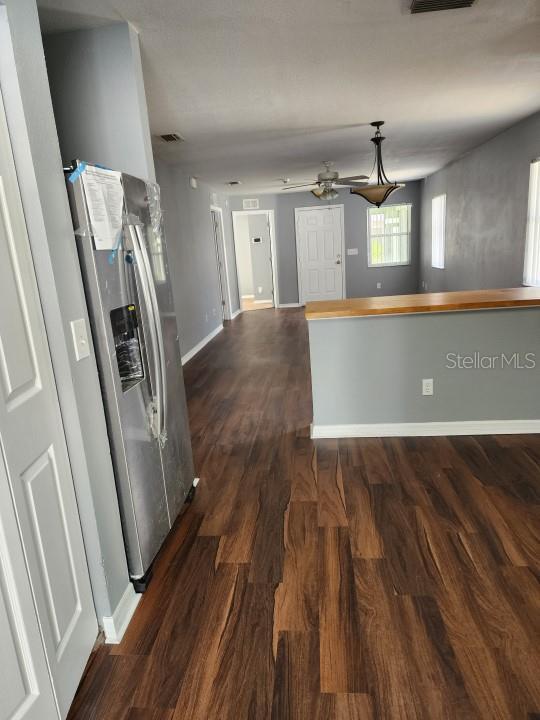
171	137
421	6
250	204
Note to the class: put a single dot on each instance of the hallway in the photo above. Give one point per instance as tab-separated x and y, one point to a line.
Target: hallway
329	580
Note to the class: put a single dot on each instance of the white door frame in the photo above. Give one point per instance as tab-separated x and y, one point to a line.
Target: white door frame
341	207
223	249
271	222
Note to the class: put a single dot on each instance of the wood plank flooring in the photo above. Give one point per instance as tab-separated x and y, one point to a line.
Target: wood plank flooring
360	579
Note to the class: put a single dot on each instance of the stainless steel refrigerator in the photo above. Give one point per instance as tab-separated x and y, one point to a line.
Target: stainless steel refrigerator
119	234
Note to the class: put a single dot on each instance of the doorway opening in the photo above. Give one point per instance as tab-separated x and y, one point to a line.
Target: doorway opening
254	246
221	261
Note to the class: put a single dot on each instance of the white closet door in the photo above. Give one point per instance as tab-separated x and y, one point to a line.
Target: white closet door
25	685
35	452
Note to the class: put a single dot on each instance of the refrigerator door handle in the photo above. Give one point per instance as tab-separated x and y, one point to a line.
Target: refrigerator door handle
139	260
161	367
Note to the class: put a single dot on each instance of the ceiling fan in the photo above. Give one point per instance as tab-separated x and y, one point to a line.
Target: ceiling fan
324	186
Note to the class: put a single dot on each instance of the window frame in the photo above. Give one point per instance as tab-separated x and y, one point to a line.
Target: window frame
531	252
443	266
371	264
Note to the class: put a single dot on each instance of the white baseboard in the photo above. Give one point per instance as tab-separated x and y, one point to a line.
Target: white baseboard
236	313
462	427
260	302
115	626
246	297
287	305
199	346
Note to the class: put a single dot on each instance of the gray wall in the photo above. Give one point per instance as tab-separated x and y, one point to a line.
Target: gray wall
192	256
29	111
370	370
98	96
360	279
486	212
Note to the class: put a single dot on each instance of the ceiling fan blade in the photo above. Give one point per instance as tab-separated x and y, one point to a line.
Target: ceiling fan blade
353	177
292	187
349	183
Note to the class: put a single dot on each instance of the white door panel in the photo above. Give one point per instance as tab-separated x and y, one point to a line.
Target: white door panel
25	685
51	536
35	453
319	238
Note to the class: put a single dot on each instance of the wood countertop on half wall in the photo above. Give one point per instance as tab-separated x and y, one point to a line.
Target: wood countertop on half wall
424	303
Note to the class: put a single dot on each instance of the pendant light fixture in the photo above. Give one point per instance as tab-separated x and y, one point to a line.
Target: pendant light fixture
377	193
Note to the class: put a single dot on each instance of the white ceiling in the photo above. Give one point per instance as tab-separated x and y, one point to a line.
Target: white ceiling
262	90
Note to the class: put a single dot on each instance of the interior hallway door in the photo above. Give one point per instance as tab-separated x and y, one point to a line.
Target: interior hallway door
320	247
218	242
35	455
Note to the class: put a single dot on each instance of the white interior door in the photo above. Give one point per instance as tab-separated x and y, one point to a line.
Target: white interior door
222	280
35	453
25	685
319	247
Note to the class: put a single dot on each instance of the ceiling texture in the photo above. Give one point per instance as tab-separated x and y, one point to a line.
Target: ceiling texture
265	90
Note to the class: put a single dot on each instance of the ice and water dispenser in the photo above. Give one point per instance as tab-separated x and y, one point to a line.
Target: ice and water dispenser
127	344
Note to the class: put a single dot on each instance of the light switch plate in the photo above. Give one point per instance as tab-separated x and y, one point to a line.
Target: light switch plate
352	251
379	285
80	339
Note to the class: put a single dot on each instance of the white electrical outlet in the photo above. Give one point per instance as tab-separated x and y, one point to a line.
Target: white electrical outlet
427	386
379	285
259	289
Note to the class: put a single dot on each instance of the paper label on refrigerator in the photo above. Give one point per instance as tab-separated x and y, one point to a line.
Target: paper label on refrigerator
104	198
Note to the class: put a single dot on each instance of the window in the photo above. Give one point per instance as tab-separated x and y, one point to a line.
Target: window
438	231
389	235
531	271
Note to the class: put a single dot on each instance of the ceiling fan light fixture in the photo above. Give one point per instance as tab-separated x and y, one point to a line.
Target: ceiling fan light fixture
378	192
325	193
326	181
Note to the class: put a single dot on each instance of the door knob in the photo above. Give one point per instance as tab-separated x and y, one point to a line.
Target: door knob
338	262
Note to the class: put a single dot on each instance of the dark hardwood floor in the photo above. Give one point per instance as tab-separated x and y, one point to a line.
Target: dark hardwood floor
330	580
